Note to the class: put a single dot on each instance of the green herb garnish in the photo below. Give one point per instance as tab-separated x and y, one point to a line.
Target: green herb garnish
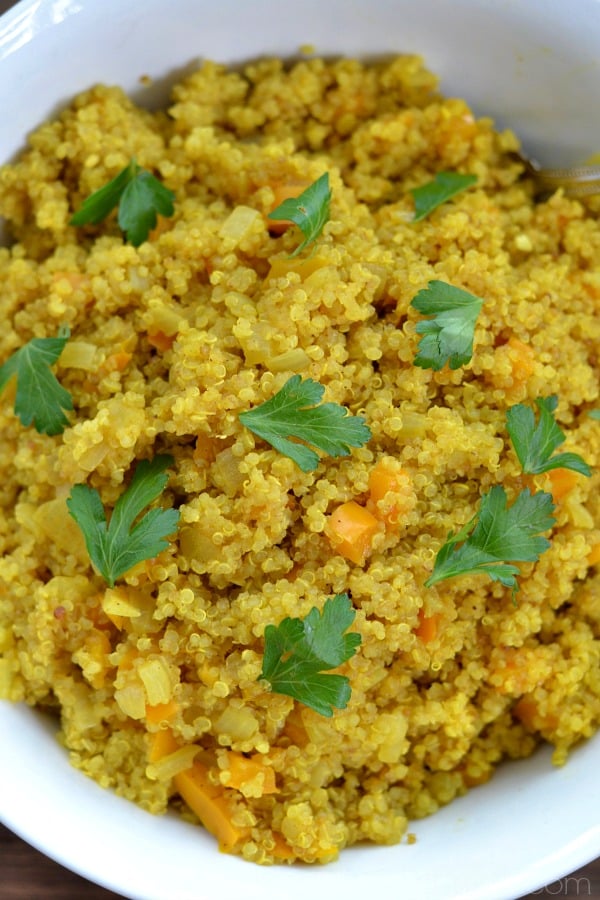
297	651
309	211
535	444
139	196
448	336
496	534
444	186
594	414
293	413
39	398
116	547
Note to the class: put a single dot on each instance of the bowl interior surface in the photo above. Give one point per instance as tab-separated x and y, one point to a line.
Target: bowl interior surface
531	824
530	64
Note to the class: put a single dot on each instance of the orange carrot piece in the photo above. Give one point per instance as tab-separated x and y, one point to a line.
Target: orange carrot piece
526	711
594	556
522	359
561	482
161	712
204	449
208	802
428	628
118	621
382	481
163	224
98	643
117	361
351	530
245	768
128	658
161	341
282	849
294	728
162	743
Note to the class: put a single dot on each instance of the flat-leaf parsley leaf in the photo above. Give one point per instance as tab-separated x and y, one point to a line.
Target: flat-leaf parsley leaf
116	547
139	196
448	336
293	412
298	650
444	186
594	414
496	534
39	398
309	211
535	443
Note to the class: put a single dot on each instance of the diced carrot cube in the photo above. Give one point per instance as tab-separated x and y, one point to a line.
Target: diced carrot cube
384	480
594	555
128	658
381	481
428	628
204	449
561	482
162	743
161	341
207	800
117	361
294	728
161	712
522	359
351	530
282	849
527	712
243	769
118	621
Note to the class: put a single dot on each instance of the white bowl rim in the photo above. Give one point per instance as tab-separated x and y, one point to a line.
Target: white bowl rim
70	817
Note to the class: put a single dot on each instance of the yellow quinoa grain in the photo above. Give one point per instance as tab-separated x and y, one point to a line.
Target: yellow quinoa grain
172	340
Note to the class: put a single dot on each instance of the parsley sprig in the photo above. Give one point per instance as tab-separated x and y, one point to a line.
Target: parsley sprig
40	398
139	197
293	412
298	651
444	186
116	547
594	413
497	536
310	211
448	336
535	443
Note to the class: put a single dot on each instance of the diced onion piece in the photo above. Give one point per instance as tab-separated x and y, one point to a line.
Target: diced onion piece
295	360
239	224
156	679
122	602
79	355
131	700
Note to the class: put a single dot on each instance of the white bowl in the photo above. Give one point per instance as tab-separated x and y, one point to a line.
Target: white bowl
533	65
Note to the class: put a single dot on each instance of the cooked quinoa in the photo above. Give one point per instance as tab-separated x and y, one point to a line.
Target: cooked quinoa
172	340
